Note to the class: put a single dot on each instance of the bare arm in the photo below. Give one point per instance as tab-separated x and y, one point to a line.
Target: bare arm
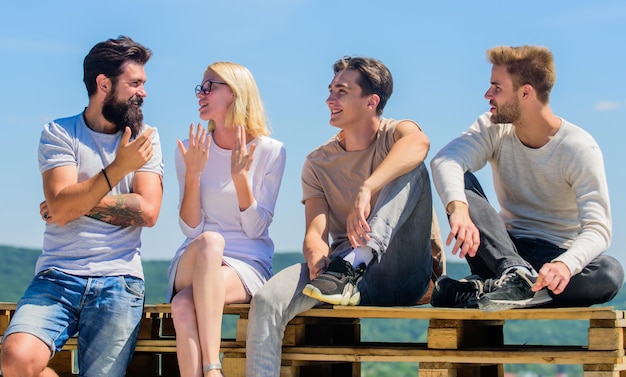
315	246
409	150
195	157
141	208
462	229
241	161
67	199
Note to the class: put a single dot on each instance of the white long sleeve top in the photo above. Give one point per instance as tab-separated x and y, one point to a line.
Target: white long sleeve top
557	193
246	232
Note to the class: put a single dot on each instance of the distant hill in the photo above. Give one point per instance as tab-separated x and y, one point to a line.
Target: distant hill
17	266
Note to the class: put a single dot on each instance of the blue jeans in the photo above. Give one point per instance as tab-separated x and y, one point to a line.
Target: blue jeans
105	311
400	233
597	283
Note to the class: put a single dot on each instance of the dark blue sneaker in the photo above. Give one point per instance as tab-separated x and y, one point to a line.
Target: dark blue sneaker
513	290
451	293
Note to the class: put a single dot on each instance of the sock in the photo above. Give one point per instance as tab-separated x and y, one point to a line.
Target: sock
360	255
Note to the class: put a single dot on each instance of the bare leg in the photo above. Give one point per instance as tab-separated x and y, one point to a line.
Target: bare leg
204	286
25	355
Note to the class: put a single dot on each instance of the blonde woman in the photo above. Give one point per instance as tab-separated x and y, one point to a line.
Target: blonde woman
229	177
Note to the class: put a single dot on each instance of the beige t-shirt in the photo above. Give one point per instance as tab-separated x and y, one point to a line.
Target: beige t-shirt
332	173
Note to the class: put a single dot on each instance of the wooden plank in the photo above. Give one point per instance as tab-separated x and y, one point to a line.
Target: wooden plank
413	312
4	322
8	305
605	338
465	314
419	312
234	365
63	363
447	338
605	367
386	353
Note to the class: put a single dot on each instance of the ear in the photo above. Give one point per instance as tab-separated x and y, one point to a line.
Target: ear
373	101
103	83
526	91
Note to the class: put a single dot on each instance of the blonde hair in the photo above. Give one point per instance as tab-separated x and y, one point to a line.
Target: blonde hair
533	65
247	108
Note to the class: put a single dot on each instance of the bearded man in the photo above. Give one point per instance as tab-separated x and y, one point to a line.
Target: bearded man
102	180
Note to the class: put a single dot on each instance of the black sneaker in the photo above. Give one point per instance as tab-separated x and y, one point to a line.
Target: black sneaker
337	285
451	293
513	290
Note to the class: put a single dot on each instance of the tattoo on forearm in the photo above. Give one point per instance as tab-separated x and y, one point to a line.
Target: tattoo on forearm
125	212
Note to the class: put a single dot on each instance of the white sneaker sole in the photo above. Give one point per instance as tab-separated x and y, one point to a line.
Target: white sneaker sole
347	298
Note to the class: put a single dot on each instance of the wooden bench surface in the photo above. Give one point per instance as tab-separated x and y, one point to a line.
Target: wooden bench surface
412	312
422	312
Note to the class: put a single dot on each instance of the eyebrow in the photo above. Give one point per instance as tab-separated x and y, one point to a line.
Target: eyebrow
339	85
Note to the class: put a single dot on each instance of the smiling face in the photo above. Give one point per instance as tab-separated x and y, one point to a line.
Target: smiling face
122	105
346	101
215	104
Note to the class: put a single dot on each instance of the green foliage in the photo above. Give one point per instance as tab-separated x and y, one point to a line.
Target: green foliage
17	268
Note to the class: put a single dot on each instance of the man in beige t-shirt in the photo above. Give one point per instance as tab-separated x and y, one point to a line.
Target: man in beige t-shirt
368	209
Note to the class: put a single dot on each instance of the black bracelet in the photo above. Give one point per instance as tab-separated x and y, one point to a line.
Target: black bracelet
107	178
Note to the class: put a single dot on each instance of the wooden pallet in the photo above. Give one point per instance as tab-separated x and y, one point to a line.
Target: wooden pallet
326	341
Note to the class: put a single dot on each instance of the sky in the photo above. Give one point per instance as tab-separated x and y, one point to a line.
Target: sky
434	49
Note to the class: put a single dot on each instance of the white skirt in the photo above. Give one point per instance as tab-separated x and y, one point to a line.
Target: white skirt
251	278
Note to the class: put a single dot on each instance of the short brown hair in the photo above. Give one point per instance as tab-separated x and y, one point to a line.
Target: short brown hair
374	77
533	65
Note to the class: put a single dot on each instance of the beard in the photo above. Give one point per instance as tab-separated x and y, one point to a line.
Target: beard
123	113
506	113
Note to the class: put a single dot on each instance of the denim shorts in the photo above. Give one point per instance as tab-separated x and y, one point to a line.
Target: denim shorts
104	311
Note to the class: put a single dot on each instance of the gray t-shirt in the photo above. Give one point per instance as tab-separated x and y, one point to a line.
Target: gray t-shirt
86	246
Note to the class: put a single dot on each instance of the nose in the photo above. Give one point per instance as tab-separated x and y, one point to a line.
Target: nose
488	94
142	92
330	99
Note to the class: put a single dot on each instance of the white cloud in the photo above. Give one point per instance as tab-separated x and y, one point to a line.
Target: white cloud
609	105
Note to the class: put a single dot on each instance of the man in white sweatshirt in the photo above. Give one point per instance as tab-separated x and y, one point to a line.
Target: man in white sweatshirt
545	246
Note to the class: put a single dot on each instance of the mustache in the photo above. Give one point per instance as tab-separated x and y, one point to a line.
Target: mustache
136	100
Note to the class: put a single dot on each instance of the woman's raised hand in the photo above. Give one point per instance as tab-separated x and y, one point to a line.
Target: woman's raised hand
197	152
241	158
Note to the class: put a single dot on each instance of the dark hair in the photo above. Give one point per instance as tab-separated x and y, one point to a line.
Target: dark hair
109	58
374	77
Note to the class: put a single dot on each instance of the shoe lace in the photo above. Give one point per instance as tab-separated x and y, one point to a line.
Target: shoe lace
502	280
339	267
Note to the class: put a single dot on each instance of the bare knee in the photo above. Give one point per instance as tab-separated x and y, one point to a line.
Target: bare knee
25	355
183	310
209	246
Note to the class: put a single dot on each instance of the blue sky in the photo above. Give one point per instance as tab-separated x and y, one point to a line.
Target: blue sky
435	51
